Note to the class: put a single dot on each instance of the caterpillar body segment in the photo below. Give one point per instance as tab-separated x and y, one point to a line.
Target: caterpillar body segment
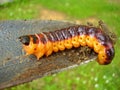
74	36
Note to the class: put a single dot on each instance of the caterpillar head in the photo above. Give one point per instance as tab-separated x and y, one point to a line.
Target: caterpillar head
25	40
28	44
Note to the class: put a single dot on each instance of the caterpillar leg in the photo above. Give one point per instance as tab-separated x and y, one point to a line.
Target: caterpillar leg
55	46
75	41
61	45
68	43
101	57
97	46
90	41
82	40
39	55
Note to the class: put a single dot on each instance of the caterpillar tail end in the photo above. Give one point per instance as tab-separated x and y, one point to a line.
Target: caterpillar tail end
106	57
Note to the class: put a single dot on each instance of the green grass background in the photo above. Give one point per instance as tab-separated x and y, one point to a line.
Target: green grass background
89	76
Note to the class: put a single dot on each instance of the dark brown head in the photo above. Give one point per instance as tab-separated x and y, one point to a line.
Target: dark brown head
24	40
29	43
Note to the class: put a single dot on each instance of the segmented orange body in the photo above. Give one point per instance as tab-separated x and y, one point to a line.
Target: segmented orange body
74	36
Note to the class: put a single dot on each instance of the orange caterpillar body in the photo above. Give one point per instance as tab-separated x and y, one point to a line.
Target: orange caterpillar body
74	36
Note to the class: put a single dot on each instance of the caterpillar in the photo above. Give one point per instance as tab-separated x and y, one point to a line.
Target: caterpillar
45	43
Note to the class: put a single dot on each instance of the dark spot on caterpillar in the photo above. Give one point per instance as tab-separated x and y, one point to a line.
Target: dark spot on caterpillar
25	40
34	48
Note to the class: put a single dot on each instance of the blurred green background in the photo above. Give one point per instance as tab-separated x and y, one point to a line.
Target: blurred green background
88	76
